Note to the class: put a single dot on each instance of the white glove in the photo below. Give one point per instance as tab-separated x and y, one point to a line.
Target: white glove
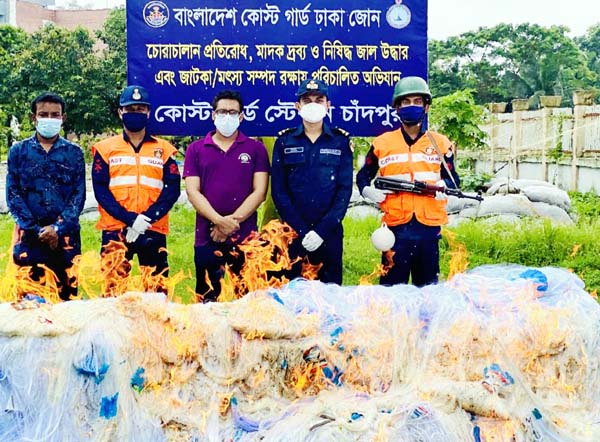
141	224
441	196
131	235
312	241
374	194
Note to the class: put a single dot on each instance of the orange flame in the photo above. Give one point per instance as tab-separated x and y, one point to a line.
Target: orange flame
17	282
310	271
380	269
458	254
265	252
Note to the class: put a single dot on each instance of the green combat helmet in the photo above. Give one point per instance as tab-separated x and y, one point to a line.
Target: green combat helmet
411	86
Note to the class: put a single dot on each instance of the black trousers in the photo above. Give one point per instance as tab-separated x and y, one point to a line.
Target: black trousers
329	255
417	259
151	250
30	251
210	261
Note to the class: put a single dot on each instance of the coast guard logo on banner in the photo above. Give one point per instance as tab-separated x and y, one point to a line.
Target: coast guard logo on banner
156	14
398	15
244	158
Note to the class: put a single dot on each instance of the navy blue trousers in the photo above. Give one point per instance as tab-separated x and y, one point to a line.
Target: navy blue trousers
414	259
151	250
210	261
329	255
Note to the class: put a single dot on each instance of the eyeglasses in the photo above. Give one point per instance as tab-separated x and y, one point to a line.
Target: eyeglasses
232	112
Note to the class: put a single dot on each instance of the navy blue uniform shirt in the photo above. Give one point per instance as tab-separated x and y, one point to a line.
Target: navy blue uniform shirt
312	182
44	188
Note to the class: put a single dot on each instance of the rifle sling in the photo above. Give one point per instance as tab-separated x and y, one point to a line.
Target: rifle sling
439	152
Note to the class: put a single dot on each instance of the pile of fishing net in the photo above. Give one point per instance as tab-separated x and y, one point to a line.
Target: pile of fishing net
501	353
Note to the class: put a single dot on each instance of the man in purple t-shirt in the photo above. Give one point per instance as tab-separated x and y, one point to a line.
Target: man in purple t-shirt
226	178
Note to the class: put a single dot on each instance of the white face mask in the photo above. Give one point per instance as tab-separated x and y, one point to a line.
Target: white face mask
313	112
227	124
48	127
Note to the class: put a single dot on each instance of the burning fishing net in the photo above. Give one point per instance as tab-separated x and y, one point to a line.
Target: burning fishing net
501	353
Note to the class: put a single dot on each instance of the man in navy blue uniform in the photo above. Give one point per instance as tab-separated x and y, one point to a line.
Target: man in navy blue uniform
312	183
45	192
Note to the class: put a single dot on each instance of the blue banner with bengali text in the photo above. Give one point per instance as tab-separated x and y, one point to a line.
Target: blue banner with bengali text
186	51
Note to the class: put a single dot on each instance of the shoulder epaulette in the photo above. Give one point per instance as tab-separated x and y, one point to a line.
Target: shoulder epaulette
285	131
344	132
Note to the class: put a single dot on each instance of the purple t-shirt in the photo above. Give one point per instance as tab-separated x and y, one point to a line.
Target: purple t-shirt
226	178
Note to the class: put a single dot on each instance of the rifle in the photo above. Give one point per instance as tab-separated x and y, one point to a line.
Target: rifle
420	187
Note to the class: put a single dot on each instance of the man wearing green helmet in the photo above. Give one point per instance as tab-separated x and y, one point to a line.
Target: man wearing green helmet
411	153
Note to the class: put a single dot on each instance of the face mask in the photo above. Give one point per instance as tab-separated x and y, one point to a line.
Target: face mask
227	124
48	127
134	121
411	115
313	112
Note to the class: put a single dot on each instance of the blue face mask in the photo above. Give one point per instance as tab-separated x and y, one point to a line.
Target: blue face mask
48	127
134	121
411	115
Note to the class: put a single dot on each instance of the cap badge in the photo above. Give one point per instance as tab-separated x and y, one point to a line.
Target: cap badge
136	94
312	84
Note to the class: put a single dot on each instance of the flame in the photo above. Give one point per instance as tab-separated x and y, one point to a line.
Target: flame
308	379
458	254
380	269
224	403
115	269
113	279
265	253
310	271
17	282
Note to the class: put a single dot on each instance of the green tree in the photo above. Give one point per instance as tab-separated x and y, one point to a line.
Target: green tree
544	59
64	62
113	58
69	63
509	61
590	45
12	42
459	118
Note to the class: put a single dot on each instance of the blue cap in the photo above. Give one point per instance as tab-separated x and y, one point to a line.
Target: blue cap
134	95
312	86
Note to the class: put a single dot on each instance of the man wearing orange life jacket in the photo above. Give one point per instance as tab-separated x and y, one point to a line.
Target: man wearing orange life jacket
411	153
136	182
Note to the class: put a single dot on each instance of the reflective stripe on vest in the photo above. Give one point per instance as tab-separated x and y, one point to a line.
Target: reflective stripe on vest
136	180
420	162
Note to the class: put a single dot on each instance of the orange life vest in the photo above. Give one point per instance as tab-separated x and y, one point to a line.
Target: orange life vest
419	162
136	179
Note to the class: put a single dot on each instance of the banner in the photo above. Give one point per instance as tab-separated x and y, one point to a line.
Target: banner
184	52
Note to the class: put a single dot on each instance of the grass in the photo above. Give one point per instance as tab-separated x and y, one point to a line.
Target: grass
531	242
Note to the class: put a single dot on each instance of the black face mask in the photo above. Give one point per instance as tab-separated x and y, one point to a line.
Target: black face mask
134	121
411	115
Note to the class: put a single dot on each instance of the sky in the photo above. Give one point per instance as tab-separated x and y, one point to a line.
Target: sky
453	17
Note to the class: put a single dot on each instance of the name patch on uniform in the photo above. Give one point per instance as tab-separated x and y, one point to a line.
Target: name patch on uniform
299	149
393	159
121	160
149	161
337	152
